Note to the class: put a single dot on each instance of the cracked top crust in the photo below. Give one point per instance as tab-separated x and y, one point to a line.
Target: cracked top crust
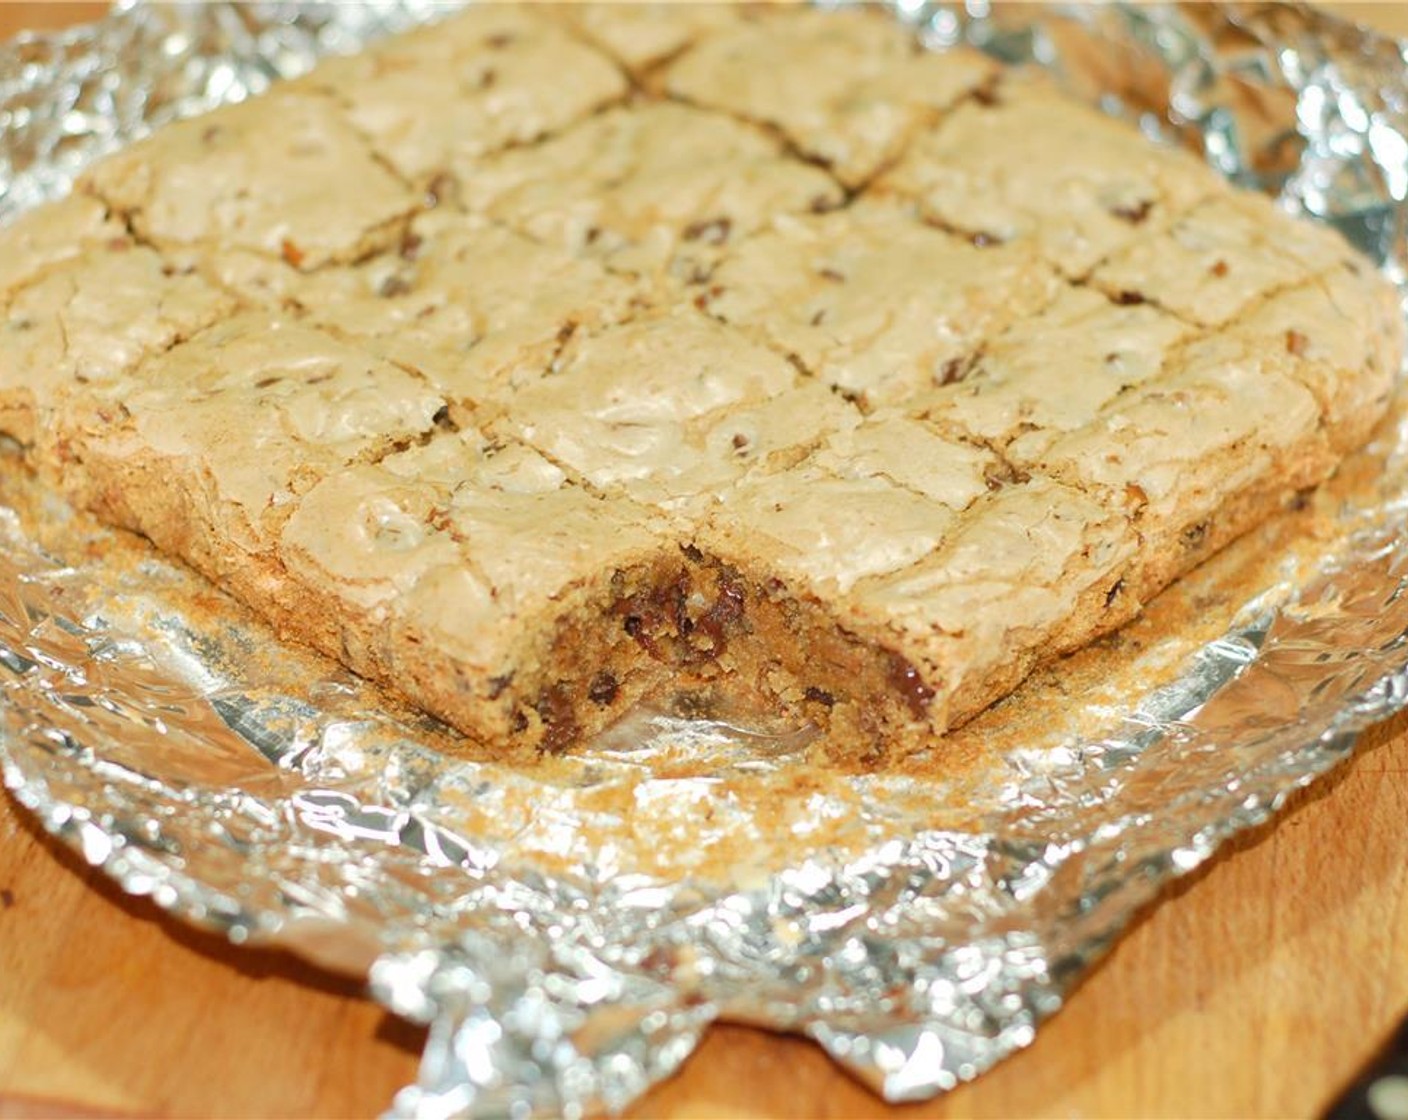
632	408
489	78
53	234
260	409
1034	554
1018	397
467	538
848	88
1180	446
872	498
257	176
1220	258
641	35
874	303
636	186
95	316
444	353
1028	165
472	306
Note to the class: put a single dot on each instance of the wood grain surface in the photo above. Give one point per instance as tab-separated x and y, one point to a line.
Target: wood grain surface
1255	988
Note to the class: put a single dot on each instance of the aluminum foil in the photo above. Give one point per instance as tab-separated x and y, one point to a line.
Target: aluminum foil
569	931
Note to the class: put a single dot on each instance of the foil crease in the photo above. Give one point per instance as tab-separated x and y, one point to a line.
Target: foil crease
569	932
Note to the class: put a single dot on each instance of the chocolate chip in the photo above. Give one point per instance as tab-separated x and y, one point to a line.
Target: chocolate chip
498	684
603	688
703	299
714	231
1133	214
819	696
554	708
725	615
904	678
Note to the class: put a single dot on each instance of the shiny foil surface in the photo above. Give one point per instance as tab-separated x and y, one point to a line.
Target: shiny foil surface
569	930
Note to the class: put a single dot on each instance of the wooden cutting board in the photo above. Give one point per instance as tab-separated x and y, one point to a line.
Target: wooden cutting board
1256	988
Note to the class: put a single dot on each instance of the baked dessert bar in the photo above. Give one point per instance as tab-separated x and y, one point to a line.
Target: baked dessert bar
546	360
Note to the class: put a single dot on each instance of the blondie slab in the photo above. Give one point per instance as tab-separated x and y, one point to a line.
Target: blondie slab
550	360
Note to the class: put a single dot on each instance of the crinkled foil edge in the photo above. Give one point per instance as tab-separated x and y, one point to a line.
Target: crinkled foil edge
550	994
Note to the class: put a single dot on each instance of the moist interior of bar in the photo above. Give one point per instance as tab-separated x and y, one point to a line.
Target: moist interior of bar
692	633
